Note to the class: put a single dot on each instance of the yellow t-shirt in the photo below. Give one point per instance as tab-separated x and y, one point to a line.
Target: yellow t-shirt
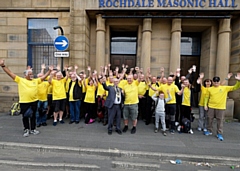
142	88
100	90
67	84
50	89
186	99
43	91
122	83
202	97
218	96
172	90
131	94
90	94
151	92
27	89
83	87
59	91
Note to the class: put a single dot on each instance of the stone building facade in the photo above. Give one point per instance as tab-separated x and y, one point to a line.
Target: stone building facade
153	32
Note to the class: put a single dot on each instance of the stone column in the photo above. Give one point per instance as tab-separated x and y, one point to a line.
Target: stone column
223	49
100	44
175	54
146	43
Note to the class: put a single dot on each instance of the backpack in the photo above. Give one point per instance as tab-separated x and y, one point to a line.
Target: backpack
15	109
186	125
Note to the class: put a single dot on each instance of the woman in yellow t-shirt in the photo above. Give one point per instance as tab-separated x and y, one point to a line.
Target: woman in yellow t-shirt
202	121
90	98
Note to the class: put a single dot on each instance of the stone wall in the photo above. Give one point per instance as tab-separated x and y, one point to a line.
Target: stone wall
235	64
13	38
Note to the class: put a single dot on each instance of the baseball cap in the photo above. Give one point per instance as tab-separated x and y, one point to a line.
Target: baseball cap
216	79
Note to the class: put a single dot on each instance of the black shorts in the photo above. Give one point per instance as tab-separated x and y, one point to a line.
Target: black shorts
59	105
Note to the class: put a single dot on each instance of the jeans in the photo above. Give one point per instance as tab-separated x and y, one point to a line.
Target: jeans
42	106
75	110
160	115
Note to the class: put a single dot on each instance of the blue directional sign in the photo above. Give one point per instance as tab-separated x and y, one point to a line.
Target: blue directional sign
61	43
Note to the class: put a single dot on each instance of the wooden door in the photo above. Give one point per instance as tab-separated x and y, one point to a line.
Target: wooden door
118	60
186	63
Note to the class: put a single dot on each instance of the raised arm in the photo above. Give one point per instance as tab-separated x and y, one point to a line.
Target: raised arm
5	69
50	68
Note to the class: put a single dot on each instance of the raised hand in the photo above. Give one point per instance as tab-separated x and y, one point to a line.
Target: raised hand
89	68
229	75
2	62
201	75
58	67
43	66
50	67
237	77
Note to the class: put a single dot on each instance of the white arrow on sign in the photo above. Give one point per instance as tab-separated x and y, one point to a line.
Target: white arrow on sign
63	43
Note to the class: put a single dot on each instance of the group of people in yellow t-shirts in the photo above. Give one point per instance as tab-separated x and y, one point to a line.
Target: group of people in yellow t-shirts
168	99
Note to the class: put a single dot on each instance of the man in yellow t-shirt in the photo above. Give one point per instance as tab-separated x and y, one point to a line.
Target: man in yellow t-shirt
142	90
59	95
27	90
130	109
215	103
170	105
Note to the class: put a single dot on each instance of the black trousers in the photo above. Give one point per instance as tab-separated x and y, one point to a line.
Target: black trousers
149	109
142	108
32	120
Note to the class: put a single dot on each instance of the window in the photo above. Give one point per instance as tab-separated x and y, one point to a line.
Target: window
41	36
190	45
123	45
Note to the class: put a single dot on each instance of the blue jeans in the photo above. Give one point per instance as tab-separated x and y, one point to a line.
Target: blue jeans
75	110
41	117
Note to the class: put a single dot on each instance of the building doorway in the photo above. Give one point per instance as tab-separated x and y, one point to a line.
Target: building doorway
123	50
190	55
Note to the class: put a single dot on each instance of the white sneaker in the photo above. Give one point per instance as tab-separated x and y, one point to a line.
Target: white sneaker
34	132
199	129
176	123
204	130
190	131
179	128
26	133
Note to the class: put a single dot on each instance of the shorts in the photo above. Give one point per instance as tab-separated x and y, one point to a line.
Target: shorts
130	111
59	105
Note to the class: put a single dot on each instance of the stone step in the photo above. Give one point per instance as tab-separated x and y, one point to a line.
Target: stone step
52	166
115	153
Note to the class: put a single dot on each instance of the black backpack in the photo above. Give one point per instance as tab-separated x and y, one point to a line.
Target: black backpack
186	125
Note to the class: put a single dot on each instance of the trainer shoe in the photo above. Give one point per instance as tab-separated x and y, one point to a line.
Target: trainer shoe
54	123
34	132
220	137
172	131
61	121
204	130
207	133
156	130
190	131
26	133
199	129
179	128
164	133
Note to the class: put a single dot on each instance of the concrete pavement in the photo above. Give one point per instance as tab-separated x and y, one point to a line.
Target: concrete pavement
93	140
